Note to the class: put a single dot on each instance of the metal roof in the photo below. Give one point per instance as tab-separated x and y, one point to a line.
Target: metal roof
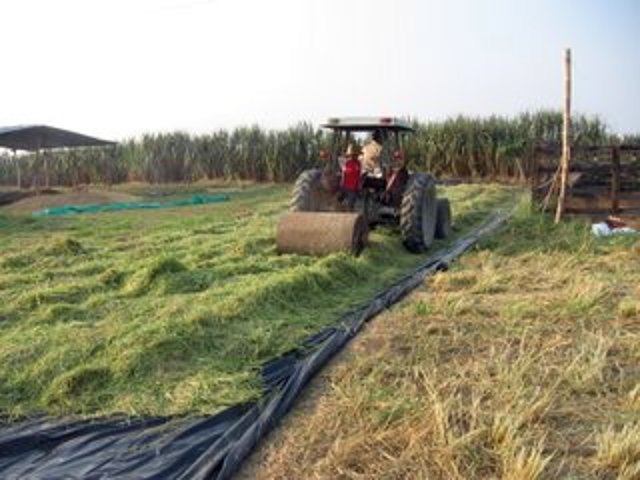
368	123
36	137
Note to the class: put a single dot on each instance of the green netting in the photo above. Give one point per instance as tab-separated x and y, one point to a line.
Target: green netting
114	207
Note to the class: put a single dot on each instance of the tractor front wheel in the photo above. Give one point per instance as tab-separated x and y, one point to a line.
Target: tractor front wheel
418	213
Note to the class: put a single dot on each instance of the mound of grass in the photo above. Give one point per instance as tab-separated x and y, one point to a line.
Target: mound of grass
173	311
85	382
65	246
143	279
521	362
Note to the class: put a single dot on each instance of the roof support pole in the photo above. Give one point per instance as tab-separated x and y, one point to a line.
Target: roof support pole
46	169
37	170
18	172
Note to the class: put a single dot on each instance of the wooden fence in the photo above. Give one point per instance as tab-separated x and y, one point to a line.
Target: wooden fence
603	180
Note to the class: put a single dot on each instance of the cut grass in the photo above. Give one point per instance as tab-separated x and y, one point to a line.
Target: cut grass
521	362
173	311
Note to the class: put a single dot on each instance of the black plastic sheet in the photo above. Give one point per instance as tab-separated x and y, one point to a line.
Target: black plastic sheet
196	447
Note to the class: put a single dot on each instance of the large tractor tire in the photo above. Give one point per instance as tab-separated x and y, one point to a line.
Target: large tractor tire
443	218
418	213
309	195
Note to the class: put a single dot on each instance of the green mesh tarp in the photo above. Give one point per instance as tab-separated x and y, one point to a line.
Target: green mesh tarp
114	207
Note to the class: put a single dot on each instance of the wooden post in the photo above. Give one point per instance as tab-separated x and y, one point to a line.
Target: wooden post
18	172
615	180
566	136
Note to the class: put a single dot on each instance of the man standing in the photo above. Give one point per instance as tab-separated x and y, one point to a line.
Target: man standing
372	150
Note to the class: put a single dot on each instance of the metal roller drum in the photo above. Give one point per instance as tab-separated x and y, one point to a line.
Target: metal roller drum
320	233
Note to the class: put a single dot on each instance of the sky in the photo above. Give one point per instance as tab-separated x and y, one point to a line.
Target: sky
120	68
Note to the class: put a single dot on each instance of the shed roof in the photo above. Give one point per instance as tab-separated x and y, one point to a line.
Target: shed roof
36	137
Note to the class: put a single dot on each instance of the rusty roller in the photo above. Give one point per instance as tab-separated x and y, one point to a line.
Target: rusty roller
320	233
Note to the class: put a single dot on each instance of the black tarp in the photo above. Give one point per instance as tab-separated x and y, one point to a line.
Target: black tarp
201	447
38	137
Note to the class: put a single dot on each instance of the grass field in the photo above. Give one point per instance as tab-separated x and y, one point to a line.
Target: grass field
173	311
521	362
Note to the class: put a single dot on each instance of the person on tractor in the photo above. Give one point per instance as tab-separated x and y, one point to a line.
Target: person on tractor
351	173
372	150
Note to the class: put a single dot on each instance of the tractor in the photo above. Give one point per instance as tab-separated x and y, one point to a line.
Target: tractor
334	207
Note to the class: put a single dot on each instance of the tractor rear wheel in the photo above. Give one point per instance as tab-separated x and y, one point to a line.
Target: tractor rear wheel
418	213
443	218
309	195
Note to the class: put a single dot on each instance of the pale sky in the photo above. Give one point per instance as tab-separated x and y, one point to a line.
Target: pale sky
117	68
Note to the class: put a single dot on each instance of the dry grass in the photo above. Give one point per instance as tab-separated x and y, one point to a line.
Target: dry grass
522	362
619	450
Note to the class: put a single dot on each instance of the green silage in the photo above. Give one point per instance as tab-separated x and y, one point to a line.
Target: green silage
120	206
173	311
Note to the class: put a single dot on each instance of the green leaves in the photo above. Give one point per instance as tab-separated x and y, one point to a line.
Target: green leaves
491	147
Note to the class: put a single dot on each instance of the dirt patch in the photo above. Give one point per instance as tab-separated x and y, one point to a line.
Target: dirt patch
10	196
40	202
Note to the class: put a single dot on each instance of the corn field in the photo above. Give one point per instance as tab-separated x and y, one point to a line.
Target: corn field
462	147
